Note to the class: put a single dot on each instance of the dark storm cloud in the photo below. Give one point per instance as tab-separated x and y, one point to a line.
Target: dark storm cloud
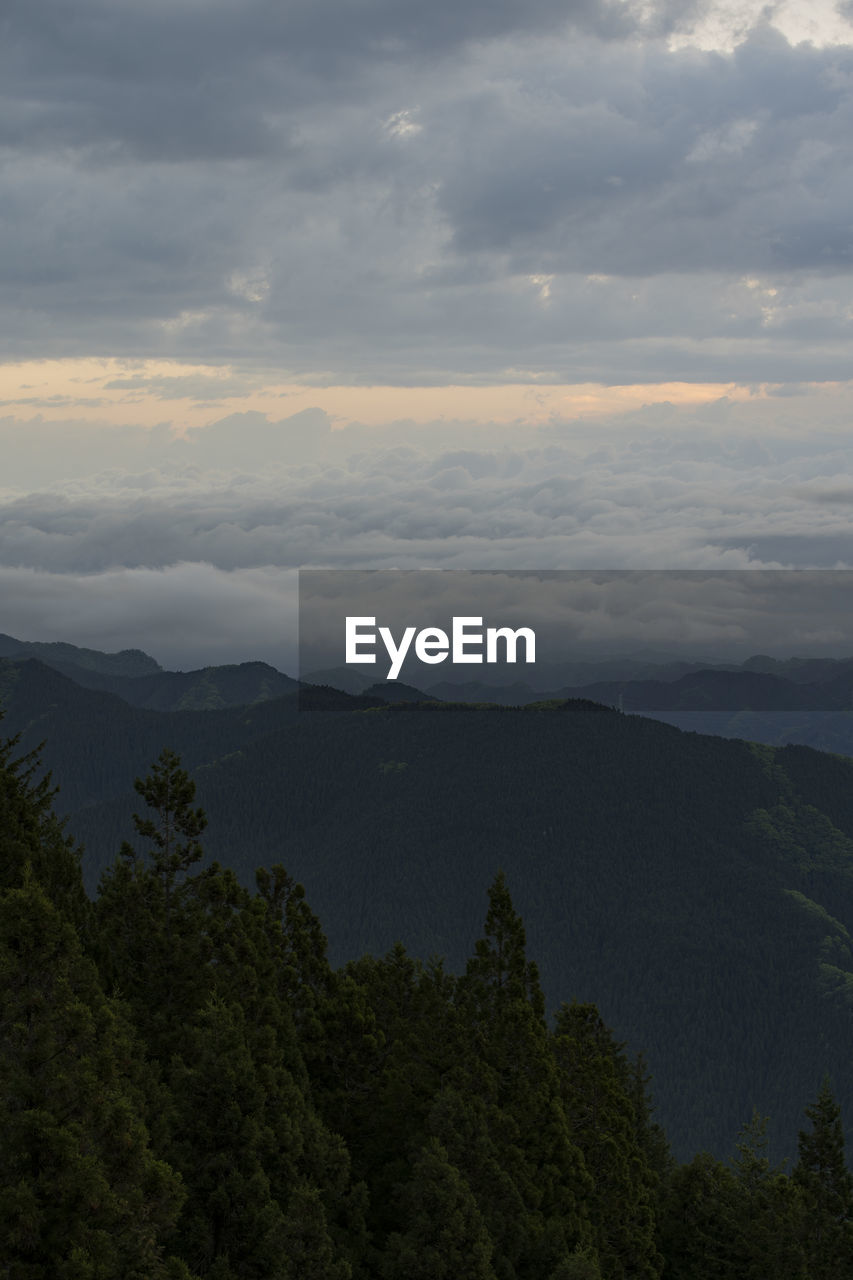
407	193
184	80
642	162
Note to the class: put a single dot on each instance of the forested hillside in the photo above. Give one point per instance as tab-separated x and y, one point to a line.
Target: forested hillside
139	680
191	1092
699	891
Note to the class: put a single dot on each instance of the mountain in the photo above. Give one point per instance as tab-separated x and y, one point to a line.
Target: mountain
96	742
397	691
711	689
508	695
141	681
812	705
128	662
714	690
208	689
541	681
692	887
698	889
347	679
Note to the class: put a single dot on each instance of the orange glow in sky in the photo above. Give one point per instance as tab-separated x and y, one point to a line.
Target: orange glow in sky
152	392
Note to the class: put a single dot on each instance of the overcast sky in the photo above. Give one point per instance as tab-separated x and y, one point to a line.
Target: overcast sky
479	283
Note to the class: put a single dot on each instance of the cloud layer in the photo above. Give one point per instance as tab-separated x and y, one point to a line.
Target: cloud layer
417	192
405	195
197	556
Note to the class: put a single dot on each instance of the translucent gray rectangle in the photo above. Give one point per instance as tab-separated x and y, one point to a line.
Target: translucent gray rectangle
658	640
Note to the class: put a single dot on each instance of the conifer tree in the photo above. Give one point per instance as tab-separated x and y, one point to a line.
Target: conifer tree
385	1023
233	1224
310	1247
32	836
169	791
474	1133
506	1060
822	1176
499	972
597	1089
582	1264
698	1224
766	1234
213	979
304	1161
443	1236
651	1137
305	960
81	1195
151	939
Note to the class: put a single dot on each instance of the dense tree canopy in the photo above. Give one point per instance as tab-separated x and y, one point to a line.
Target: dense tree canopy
190	1091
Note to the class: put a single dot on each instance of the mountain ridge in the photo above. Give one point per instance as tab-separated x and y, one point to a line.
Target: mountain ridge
699	890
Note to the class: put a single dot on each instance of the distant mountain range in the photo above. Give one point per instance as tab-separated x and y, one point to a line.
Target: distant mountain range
800	700
140	680
129	662
562	679
699	890
761	683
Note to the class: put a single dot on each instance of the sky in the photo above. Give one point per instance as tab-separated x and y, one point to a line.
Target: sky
476	284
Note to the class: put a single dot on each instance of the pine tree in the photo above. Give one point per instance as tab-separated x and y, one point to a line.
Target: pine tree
499	972
651	1137
151	932
767	1223
474	1132
32	836
698	1224
506	1061
268	1184
232	1225
385	1028
255	973
597	1086
827	1187
443	1236
169	791
81	1195
213	979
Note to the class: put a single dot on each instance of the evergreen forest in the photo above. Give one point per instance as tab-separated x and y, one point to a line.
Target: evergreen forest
697	890
190	1089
